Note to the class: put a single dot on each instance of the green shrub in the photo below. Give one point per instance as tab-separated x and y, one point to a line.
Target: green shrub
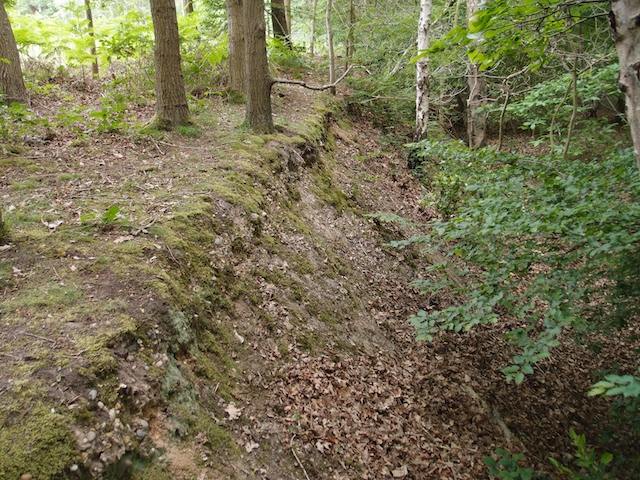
532	236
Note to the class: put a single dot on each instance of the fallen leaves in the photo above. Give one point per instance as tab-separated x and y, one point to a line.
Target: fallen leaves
233	412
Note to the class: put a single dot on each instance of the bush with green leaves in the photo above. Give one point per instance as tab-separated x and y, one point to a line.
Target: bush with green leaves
585	464
539	240
547	105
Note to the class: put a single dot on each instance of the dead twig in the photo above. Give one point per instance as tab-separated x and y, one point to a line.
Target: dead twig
312	87
33	335
295	455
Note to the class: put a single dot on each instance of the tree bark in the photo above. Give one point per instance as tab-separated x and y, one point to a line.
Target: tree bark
422	72
236	45
95	70
258	82
287	13
188	7
574	108
4	234
625	23
332	56
476	120
12	87
279	21
312	40
350	34
171	98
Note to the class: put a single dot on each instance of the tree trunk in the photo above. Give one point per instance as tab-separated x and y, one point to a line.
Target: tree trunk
312	40
171	98
422	72
12	87
258	82
287	13
92	36
350	34
236	45
188	6
279	21
476	120
574	109
625	23
4	234
332	57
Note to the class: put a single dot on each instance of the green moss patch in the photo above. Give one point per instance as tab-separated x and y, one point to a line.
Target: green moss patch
40	444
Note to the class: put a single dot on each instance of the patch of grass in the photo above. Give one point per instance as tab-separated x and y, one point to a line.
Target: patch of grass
28	184
189	130
67	177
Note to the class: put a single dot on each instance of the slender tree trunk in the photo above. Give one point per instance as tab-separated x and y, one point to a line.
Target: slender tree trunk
92	36
188	6
574	110
287	13
258	81
502	113
332	56
625	23
171	98
312	40
422	72
12	87
3	229
350	34
476	120
279	21
236	45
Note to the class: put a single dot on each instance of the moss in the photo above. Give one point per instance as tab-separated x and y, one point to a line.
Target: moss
153	471
40	444
181	326
48	295
239	189
325	189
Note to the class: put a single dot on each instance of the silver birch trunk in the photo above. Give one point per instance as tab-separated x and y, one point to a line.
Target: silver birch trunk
476	120
422	72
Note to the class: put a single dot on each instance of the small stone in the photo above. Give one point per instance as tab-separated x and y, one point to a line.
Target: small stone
74	467
254	217
26	476
112	414
91	436
218	241
140	433
100	405
93	394
142	423
400	472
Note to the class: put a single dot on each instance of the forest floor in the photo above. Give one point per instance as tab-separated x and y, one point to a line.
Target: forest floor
215	305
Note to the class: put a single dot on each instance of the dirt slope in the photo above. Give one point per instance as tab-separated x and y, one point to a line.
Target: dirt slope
241	316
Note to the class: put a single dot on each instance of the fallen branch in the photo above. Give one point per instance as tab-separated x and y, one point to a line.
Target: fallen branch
312	87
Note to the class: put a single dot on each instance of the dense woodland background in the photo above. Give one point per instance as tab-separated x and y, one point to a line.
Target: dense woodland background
519	118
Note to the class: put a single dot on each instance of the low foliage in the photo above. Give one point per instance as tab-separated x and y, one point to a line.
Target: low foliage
540	240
